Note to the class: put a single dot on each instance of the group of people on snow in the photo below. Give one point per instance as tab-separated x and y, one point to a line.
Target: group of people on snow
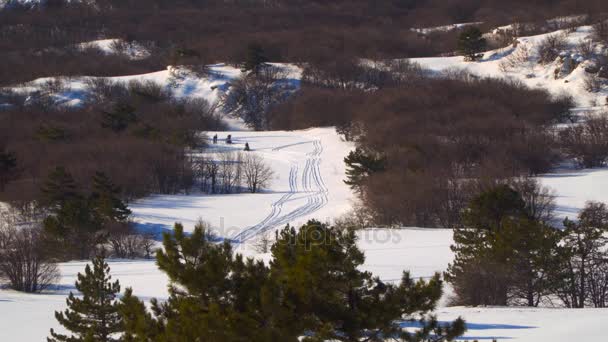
229	141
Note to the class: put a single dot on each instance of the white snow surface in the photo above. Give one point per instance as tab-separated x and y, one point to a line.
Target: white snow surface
308	183
28	317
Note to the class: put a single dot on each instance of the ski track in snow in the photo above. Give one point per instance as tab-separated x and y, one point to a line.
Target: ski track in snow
313	186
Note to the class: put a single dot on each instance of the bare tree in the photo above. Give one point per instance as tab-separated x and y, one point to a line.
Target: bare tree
600	30
256	172
540	200
127	243
23	261
263	242
550	47
253	95
229	171
587	142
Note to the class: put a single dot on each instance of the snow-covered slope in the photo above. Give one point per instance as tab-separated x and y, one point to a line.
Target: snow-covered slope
182	83
308	183
529	71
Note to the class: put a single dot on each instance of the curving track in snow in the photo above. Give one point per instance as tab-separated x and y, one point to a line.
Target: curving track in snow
313	190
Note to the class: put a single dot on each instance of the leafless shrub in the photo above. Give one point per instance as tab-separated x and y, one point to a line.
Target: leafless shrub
585	48
149	91
207	171
587	142
540	200
550	47
263	242
520	57
592	83
53	86
101	89
23	260
132	246
600	31
230	171
256	172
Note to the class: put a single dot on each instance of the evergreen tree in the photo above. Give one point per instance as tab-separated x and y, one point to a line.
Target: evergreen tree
360	165
584	255
503	255
255	58
531	253
96	316
318	269
214	296
478	273
72	229
121	116
488	210
106	201
471	43
313	290
8	168
59	188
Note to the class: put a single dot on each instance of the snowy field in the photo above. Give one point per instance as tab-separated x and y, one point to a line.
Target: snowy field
423	251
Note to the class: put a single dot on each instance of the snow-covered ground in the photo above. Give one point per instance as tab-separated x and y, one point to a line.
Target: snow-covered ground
181	83
309	184
388	252
131	50
530	72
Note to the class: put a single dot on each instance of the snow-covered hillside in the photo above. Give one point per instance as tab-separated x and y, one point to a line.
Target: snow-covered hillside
308	183
180	82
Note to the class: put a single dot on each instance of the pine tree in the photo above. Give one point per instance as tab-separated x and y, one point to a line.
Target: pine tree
59	188
96	316
121	116
471	43
8	168
360	165
255	59
72	228
503	252
313	290
106	201
318	268
214	296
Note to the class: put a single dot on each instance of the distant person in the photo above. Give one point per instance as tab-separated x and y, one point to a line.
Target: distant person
215	139
247	147
229	139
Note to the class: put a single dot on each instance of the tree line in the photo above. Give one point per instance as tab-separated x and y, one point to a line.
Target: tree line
68	222
39	43
427	145
312	290
509	255
136	133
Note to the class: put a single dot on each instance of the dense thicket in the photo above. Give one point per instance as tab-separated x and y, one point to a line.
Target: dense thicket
32	42
136	134
441	140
